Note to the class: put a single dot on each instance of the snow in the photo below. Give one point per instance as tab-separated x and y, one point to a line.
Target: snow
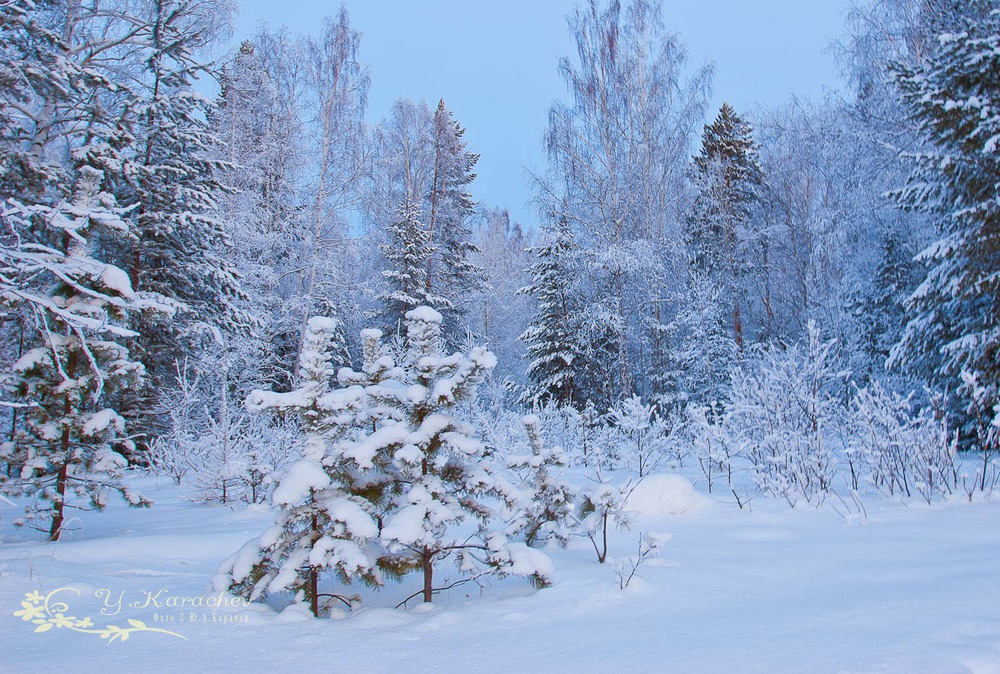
304	476
425	314
117	281
100	421
407	526
357	520
911	588
322	324
665	495
525	561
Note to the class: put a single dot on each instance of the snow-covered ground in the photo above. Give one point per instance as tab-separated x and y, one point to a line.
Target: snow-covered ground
909	588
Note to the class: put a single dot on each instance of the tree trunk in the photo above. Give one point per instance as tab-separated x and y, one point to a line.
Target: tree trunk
314	578
62	476
61	479
427	559
738	326
314	592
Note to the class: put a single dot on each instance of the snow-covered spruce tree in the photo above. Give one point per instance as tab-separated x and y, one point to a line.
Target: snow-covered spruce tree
705	352
551	338
321	525
545	504
879	309
954	99
449	207
407	255
68	444
256	133
436	473
181	248
728	176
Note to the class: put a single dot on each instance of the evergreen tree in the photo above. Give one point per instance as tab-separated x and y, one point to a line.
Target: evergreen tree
407	255
436	473
705	352
449	207
555	356
71	440
181	251
546	503
955	313
321	525
257	211
728	176
879	311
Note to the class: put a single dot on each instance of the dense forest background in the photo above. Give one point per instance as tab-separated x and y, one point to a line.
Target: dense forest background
162	252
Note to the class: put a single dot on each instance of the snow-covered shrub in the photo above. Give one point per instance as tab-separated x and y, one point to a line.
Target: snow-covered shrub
600	507
226	454
899	450
640	432
543	503
783	415
179	449
711	443
648	548
583	434
987	425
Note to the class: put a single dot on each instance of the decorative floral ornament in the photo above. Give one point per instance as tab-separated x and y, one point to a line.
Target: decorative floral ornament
46	614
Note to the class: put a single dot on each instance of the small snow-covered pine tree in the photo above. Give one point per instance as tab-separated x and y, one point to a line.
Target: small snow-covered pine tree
546	503
321	525
439	473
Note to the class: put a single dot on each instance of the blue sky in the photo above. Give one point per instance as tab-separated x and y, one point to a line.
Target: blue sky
495	63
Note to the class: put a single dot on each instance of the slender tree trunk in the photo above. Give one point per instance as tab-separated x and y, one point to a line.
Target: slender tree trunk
62	476
314	580
427	559
738	325
314	592
434	208
61	479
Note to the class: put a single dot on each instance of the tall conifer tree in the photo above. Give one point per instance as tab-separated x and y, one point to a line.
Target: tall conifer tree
954	99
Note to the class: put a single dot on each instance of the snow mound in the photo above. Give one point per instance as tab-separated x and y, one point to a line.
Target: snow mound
664	495
425	314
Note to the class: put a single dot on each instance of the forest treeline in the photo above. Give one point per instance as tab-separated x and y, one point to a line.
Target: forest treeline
162	252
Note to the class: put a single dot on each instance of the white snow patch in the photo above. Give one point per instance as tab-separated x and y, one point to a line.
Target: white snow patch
118	281
664	495
425	314
322	324
100	421
300	478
